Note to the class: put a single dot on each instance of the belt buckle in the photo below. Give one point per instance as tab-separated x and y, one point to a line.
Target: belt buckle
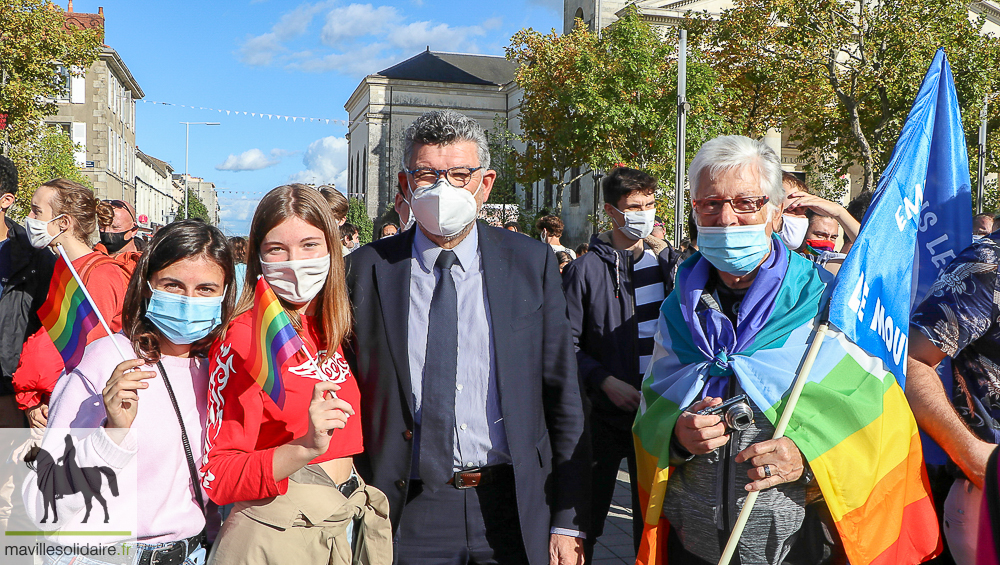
154	555
461	484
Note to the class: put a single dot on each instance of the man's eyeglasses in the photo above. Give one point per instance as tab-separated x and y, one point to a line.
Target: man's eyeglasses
457	176
740	204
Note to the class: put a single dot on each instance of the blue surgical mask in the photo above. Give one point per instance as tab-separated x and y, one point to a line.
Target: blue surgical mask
184	319
736	250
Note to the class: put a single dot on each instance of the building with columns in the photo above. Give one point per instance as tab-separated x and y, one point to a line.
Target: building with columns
385	103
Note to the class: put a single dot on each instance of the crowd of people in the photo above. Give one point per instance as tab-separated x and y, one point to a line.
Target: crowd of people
467	394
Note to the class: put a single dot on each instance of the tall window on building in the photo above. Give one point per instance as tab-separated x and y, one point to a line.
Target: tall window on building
574	187
548	193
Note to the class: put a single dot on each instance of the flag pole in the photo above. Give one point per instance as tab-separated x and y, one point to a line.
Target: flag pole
779	431
86	294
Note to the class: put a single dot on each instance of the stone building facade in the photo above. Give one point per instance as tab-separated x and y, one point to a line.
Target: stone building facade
385	103
98	113
159	197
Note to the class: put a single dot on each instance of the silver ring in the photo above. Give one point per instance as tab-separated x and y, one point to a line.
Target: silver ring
767	471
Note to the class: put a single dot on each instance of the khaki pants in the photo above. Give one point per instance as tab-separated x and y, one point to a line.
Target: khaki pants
307	524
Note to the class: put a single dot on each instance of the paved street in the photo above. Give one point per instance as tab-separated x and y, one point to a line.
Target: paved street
615	546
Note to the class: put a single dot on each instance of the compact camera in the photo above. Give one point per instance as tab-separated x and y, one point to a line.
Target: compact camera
736	413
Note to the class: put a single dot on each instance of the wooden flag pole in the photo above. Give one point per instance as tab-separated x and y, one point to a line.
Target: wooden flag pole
779	431
86	294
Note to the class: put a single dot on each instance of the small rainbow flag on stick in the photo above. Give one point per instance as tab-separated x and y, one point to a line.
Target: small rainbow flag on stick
68	313
275	342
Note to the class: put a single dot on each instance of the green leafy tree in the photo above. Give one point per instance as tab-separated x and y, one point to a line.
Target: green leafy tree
594	103
843	74
197	208
36	50
53	157
357	214
559	75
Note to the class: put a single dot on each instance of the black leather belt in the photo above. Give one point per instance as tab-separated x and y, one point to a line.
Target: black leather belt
169	554
472	478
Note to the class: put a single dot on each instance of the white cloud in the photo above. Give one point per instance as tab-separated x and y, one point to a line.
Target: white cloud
356	39
420	35
261	50
249	160
325	161
235	210
356	20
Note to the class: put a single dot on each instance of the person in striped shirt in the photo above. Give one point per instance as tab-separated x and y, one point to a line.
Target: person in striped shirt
613	294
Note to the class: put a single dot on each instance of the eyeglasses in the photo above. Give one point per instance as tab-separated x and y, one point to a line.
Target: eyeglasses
457	176
740	204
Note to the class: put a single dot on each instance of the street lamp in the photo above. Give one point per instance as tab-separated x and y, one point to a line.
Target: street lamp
187	145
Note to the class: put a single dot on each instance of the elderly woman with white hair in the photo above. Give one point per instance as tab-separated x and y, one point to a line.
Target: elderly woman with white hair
730	341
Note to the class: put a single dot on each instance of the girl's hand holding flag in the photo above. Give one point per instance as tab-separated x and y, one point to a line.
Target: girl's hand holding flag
121	395
327	413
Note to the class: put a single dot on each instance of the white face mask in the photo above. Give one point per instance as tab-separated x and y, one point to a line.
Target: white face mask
297	281
638	225
442	209
38	232
410	218
793	231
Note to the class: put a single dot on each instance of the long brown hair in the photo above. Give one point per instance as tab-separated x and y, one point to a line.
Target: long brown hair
178	241
78	202
332	305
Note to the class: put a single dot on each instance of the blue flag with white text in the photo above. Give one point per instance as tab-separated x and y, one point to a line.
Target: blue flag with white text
919	220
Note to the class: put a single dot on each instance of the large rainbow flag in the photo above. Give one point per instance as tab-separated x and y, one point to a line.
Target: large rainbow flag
852	422
67	315
275	342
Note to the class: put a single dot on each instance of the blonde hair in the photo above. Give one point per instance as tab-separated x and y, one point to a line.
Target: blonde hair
79	203
303	202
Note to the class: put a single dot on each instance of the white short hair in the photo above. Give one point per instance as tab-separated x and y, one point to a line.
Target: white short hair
737	152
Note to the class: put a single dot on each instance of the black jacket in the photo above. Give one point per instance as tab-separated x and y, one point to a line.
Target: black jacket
535	370
599	298
25	273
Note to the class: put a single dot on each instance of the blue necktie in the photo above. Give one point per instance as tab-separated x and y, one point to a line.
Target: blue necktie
437	426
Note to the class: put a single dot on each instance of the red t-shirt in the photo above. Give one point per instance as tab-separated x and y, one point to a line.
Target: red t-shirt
40	364
245	426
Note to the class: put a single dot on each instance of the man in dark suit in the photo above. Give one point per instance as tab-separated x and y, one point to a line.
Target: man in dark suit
471	408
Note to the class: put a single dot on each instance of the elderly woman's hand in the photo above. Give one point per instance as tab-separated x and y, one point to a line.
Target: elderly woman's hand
774	461
700	434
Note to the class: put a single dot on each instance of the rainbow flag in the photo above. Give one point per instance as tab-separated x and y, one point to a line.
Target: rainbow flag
275	342
67	315
852	422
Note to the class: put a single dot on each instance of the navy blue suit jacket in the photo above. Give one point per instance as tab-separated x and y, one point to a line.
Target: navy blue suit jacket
536	374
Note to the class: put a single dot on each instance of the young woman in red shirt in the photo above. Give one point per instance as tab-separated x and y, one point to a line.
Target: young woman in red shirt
289	470
66	213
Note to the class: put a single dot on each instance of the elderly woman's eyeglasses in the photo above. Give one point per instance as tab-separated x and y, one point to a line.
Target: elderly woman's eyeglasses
740	204
457	176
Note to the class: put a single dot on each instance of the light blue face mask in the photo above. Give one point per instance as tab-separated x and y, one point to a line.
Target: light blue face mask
184	319
736	250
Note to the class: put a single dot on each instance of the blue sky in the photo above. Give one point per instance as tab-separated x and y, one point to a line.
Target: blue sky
281	58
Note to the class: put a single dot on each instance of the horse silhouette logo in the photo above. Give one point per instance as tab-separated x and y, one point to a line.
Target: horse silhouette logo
55	480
